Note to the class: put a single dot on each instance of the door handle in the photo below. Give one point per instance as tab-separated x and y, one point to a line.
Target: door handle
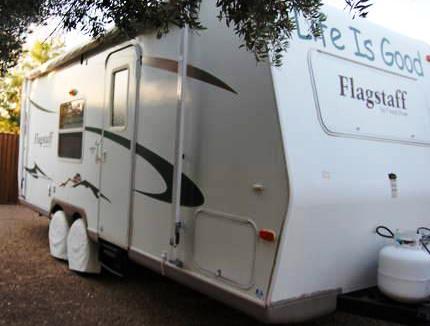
101	158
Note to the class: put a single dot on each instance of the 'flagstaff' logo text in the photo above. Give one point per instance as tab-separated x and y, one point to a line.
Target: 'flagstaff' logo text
43	140
371	97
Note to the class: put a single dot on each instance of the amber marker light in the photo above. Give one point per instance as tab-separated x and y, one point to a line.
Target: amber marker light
73	92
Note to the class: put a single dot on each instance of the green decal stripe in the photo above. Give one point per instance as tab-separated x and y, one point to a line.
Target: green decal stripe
110	135
94	130
41	108
117	139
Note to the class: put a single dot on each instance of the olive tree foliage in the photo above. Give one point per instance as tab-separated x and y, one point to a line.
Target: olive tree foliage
359	7
15	17
265	27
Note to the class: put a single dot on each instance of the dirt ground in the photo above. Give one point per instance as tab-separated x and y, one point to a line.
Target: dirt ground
36	289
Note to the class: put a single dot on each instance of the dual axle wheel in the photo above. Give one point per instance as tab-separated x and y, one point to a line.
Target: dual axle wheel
72	243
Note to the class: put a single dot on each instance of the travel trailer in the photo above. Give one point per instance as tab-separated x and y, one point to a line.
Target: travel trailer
260	186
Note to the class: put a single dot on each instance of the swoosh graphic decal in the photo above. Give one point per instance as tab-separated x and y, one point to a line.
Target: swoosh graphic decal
172	66
78	182
36	172
191	196
41	108
192	71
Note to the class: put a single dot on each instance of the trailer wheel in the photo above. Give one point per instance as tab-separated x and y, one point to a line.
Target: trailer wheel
58	231
82	252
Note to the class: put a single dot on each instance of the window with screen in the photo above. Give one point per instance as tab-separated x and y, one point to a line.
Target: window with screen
119	101
71	129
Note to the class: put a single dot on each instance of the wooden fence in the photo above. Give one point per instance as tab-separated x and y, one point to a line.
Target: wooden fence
9	145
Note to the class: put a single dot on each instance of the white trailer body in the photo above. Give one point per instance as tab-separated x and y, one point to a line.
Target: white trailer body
316	153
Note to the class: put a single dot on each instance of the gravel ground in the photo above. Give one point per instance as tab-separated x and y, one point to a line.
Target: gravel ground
36	289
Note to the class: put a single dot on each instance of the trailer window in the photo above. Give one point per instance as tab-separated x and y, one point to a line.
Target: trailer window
119	98
71	128
70	145
72	114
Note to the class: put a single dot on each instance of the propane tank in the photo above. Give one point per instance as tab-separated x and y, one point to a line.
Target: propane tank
404	269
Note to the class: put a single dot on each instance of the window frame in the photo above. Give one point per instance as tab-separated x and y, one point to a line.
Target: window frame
124	127
71	131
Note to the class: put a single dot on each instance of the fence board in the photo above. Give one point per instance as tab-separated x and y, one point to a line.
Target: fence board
9	145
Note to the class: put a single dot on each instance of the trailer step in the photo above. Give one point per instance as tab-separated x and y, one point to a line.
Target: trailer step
113	258
372	303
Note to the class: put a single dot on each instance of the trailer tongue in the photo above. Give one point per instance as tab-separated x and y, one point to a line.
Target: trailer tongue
402	294
372	303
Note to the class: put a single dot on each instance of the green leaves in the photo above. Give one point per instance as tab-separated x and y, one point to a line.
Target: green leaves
11	82
266	26
359	7
91	17
15	17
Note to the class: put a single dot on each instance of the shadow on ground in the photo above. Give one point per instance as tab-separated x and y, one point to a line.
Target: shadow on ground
36	289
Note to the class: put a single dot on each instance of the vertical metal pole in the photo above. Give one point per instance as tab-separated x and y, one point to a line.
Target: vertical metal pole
25	119
138	72
179	145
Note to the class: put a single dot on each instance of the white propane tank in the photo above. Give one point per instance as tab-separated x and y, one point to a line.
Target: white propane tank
404	269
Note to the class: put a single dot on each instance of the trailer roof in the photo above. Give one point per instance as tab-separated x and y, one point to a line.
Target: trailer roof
110	38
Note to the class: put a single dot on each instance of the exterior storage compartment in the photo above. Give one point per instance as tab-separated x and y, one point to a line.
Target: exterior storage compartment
224	247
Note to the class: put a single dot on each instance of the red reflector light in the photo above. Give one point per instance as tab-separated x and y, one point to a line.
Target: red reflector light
428	57
267	235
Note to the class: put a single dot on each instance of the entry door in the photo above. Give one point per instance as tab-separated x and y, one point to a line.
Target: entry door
117	150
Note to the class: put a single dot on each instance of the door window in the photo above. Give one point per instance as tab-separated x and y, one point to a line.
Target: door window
119	98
